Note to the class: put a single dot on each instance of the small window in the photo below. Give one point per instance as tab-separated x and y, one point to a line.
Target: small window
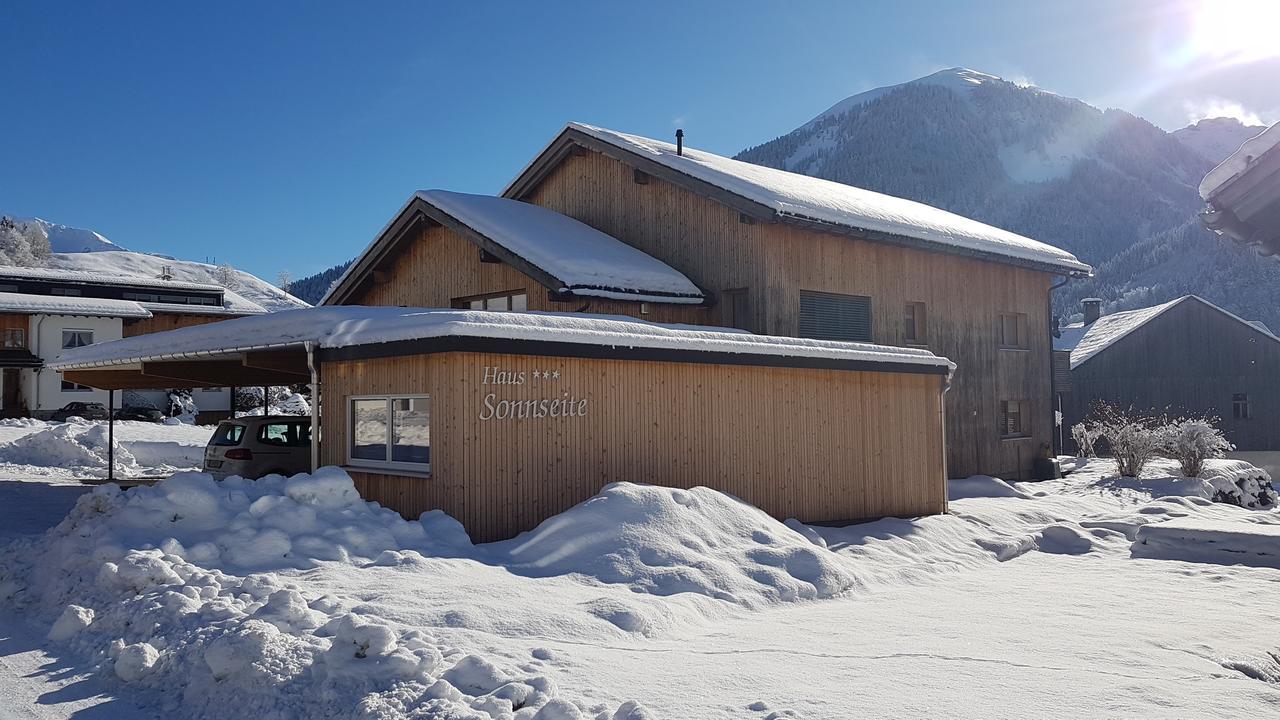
737	309
914	324
68	386
1240	406
228	434
1013	418
15	338
66	291
141	297
829	316
76	338
1013	331
6	287
511	301
391	431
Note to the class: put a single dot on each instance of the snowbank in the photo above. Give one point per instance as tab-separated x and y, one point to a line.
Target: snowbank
981	486
80	447
170	590
1207	540
666	541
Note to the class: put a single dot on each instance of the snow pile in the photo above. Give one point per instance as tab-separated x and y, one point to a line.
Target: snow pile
1209	540
174	591
981	486
1239	483
80	448
78	445
665	541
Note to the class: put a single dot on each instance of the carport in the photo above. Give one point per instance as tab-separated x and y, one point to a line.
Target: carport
265	367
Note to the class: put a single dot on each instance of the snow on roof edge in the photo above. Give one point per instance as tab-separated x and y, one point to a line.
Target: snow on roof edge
1050	257
349	326
1239	162
72	305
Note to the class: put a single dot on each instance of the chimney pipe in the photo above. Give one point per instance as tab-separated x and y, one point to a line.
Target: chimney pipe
1092	309
679	141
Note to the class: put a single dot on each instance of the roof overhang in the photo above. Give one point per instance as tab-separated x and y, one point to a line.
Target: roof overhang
571	140
418	212
285	366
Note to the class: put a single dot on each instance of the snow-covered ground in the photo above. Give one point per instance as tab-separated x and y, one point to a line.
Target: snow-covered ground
292	598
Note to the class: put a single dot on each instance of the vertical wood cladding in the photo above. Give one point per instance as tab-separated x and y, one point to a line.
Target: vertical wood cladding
160	322
964	297
817	445
1190	358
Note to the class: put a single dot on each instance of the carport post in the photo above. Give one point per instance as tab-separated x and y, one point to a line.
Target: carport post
266	402
111	436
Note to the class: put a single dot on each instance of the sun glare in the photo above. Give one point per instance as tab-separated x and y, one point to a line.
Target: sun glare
1236	30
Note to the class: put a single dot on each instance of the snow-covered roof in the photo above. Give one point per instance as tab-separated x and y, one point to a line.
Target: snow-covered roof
94	278
1239	161
1086	341
66	305
340	326
800	197
584	260
558	251
239	306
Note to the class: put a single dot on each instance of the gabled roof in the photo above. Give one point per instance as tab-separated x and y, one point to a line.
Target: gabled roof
25	304
566	256
1086	341
770	194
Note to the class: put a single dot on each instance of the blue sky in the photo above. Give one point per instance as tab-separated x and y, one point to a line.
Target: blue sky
284	135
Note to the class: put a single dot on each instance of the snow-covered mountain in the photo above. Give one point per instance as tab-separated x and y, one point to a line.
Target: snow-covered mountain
67	239
1110	187
1216	138
86	250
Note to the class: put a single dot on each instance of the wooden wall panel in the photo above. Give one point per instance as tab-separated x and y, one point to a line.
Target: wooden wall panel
437	265
818	445
160	322
964	297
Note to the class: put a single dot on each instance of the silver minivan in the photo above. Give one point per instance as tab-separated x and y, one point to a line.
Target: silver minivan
252	447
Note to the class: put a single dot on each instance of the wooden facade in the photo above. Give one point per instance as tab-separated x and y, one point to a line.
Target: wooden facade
814	444
1195	358
159	322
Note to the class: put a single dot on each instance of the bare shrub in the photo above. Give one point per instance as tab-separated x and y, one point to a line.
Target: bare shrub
1134	437
1191	441
1085	436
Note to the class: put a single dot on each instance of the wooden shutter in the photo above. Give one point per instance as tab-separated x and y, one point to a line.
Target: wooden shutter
828	316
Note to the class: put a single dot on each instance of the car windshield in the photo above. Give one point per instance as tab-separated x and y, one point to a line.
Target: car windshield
228	434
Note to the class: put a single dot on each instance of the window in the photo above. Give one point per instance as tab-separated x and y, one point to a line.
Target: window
285	434
228	434
1240	406
65	291
1013	418
15	338
737	309
391	432
509	301
68	386
142	297
828	316
1013	331
6	287
76	338
914	324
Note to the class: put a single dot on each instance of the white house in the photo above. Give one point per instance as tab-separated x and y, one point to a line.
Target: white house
44	311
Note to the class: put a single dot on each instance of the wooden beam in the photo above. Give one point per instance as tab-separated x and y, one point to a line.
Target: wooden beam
293	362
116	379
216	373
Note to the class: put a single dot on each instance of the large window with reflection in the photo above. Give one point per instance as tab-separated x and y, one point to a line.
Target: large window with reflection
390	432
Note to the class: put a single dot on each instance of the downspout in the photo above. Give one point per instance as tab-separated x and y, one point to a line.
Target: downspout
35	383
942	420
315	405
1055	448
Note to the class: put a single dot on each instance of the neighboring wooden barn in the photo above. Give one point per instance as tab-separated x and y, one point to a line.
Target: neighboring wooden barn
1187	356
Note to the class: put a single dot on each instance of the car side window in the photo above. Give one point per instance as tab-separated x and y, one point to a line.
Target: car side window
277	434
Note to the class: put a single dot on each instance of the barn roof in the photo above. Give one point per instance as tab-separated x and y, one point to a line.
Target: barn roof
1086	341
813	202
567	256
